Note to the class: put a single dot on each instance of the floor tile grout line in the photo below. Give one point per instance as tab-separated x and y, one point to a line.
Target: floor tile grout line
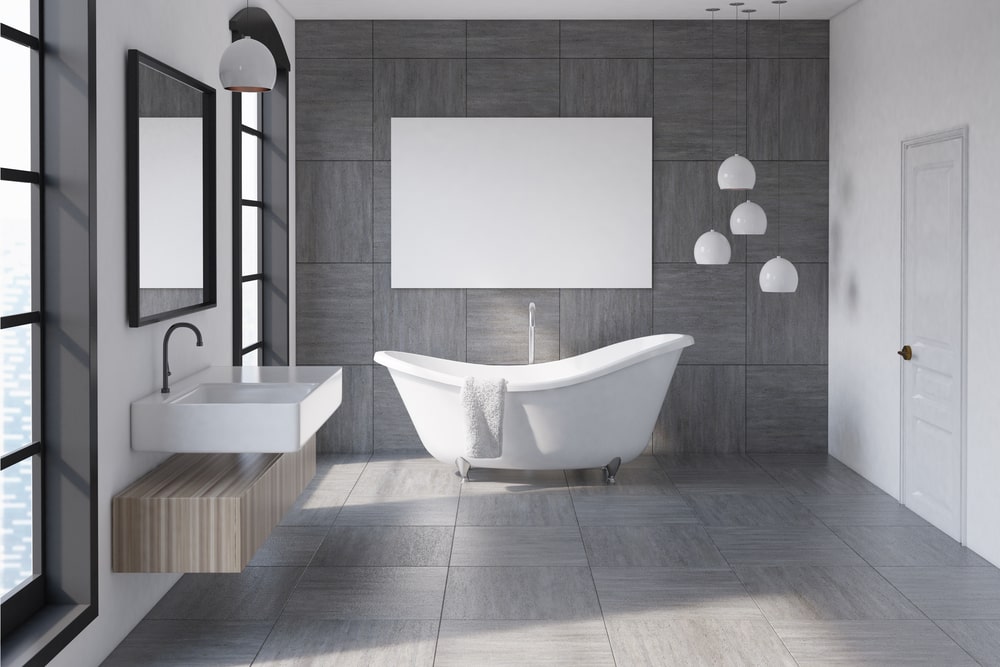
746	590
593	580
451	552
895	588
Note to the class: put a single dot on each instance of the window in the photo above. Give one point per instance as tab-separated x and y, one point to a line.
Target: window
21	310
248	260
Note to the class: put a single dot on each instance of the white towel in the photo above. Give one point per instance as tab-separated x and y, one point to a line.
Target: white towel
482	404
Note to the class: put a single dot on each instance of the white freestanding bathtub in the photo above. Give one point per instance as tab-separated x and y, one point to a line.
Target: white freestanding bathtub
590	411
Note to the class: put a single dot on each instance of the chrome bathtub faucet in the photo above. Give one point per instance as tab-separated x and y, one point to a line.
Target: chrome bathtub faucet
531	332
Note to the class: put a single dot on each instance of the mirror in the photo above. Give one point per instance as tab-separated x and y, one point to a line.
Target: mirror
170	125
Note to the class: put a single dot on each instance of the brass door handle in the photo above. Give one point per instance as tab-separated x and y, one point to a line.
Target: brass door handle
906	353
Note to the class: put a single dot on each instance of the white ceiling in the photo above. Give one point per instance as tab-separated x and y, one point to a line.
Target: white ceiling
554	9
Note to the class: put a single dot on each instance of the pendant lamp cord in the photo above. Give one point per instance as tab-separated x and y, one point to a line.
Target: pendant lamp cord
746	82
778	221
736	6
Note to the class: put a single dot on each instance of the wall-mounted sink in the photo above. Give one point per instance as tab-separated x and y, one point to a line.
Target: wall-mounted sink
238	409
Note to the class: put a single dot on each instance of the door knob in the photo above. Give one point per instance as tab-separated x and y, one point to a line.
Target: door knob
906	353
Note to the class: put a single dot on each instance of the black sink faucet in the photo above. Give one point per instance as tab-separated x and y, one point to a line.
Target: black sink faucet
166	343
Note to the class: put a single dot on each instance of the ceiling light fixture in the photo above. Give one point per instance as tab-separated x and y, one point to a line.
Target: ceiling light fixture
712	247
779	275
737	172
247	66
748	217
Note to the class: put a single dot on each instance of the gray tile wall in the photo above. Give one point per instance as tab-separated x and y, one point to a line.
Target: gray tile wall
756	378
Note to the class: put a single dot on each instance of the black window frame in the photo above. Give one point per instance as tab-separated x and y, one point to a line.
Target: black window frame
67	285
28	597
240	202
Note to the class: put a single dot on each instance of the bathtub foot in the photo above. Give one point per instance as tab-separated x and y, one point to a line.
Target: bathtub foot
612	469
463	468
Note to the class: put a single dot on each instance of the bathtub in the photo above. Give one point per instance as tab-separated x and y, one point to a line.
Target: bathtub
593	410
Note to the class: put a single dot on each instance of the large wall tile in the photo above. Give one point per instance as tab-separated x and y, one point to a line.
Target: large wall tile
606	39
729	111
805	109
415	88
790	39
765	112
606	87
704	412
513	39
419	39
729	40
394	431
382	224
349	430
333	109
334	211
513	87
687	203
497	325
333	317
788	328
333	39
682	39
682	121
800	217
707	302
786	408
593	318
423	321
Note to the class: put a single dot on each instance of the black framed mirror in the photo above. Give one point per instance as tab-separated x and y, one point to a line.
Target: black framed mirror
170	144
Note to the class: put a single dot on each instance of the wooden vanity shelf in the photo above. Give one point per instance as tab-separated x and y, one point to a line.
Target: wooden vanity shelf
205	512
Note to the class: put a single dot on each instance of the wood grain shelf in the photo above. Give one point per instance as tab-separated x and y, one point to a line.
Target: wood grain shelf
205	512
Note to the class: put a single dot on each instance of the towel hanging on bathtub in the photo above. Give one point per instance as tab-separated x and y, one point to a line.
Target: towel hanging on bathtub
482	404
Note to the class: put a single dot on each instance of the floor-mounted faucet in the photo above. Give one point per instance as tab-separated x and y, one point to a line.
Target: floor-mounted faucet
166	343
531	332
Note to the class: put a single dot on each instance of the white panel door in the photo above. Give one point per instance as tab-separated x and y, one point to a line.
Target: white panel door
933	328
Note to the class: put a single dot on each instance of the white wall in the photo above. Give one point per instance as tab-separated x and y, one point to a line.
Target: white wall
191	36
900	69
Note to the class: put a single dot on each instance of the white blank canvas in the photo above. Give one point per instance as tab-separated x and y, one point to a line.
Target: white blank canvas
522	202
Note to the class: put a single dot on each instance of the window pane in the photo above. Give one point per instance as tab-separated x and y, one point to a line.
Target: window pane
16	486
251	240
16	386
16	246
251	312
20	14
250	108
17	114
251	166
252	358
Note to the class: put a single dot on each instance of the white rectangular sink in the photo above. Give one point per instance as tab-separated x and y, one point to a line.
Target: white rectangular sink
238	409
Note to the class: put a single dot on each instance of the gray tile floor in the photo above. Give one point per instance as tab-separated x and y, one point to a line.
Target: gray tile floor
769	560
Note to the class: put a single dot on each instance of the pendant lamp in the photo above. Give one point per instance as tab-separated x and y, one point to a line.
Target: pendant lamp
779	275
247	66
748	218
712	248
737	172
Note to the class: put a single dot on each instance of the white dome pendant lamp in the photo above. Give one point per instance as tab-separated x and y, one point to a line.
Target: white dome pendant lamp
748	218
247	66
737	172
712	247
779	275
